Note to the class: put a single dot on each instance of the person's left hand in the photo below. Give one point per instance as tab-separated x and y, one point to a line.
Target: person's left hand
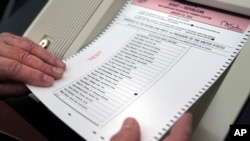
22	61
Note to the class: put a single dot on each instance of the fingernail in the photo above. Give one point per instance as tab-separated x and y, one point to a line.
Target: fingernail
58	70
128	123
60	64
48	79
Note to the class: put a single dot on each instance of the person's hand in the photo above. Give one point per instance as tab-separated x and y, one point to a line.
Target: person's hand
130	131
181	131
24	62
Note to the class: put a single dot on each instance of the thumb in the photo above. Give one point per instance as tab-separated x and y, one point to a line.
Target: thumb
130	131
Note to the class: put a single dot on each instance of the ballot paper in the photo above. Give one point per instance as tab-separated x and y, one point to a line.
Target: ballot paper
153	62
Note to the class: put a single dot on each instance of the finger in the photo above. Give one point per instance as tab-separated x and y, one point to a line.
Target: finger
14	70
182	129
32	48
30	60
9	89
130	131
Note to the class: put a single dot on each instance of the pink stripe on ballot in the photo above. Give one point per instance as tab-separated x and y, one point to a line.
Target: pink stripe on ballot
195	13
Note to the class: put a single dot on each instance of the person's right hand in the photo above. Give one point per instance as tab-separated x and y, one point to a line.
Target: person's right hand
24	62
181	131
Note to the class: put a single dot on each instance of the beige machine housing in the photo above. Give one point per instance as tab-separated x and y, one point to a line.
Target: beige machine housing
66	26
